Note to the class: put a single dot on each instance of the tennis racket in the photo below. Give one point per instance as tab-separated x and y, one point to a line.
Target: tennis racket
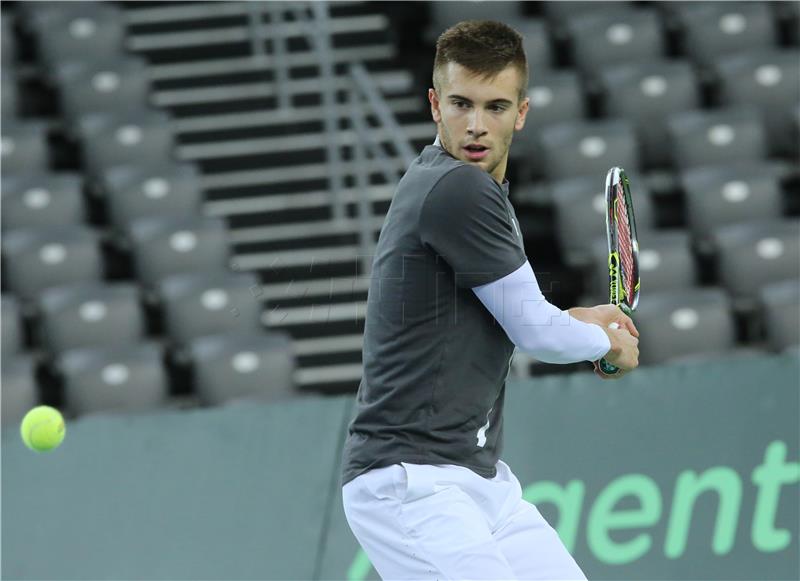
623	251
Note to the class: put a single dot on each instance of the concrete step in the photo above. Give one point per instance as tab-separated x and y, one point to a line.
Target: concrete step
293	258
326	345
326	287
319	377
278	117
301	230
266	62
180	12
389	82
281	175
324	314
145	42
297	142
296	201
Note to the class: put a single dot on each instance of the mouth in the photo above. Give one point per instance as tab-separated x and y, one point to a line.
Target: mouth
475	151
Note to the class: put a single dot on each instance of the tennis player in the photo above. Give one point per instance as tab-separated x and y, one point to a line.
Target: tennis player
452	295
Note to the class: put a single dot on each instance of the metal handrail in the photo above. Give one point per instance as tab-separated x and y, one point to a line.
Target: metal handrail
321	41
364	100
363	206
275	11
364	83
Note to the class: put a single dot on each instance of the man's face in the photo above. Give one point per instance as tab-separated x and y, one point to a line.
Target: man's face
477	117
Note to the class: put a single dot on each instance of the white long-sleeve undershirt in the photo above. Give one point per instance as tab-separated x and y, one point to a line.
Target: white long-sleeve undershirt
538	327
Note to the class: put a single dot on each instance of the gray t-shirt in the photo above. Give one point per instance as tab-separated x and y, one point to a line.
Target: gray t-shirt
435	360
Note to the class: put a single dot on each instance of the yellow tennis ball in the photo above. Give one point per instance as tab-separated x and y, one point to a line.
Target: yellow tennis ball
43	428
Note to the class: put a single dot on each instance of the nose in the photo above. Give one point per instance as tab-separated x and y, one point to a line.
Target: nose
476	127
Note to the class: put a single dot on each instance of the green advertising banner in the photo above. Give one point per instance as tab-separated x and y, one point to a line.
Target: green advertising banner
681	472
226	493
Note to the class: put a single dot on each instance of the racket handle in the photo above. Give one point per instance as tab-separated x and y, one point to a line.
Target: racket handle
604	366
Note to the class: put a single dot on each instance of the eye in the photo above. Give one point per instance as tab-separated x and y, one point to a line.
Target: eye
497	108
461	104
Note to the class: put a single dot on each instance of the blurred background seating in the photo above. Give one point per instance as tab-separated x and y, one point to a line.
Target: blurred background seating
192	191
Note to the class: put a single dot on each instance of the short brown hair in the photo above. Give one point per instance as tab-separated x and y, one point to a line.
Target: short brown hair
484	47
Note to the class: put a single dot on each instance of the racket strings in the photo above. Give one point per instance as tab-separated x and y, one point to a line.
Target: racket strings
625	244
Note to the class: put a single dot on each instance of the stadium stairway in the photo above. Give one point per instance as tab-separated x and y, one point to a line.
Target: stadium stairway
257	129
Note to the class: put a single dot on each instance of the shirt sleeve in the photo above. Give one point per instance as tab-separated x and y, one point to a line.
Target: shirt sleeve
538	327
465	221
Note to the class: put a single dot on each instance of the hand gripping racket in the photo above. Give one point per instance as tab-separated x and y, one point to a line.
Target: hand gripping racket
623	250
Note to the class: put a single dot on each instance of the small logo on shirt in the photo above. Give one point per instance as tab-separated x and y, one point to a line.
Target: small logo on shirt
482	431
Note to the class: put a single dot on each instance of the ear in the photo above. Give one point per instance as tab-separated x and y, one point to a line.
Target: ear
522	114
436	113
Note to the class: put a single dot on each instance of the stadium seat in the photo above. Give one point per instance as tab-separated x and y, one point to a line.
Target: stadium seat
129	378
38	258
605	38
770	80
88	30
580	208
8	95
555	97
45	11
752	255
170	245
796	129
235	367
780	304
699	138
711	29
666	262
20	391
536	41
138	191
788	17
209	303
646	93
559	11
23	147
7	44
720	195
677	323
12	327
143	137
588	148
113	86
443	15
88	315
787	9
42	199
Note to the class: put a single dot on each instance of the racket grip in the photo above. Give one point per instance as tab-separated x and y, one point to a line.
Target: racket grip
604	366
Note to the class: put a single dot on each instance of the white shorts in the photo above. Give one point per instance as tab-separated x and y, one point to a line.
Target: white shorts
447	522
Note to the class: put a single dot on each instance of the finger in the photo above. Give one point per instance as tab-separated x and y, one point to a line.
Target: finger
631	327
626	322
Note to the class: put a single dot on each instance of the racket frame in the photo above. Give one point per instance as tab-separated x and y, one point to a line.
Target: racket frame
618	188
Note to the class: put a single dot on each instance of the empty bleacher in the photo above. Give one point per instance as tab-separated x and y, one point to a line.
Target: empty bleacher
218	173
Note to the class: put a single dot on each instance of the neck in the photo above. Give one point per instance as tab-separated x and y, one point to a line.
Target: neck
499	172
